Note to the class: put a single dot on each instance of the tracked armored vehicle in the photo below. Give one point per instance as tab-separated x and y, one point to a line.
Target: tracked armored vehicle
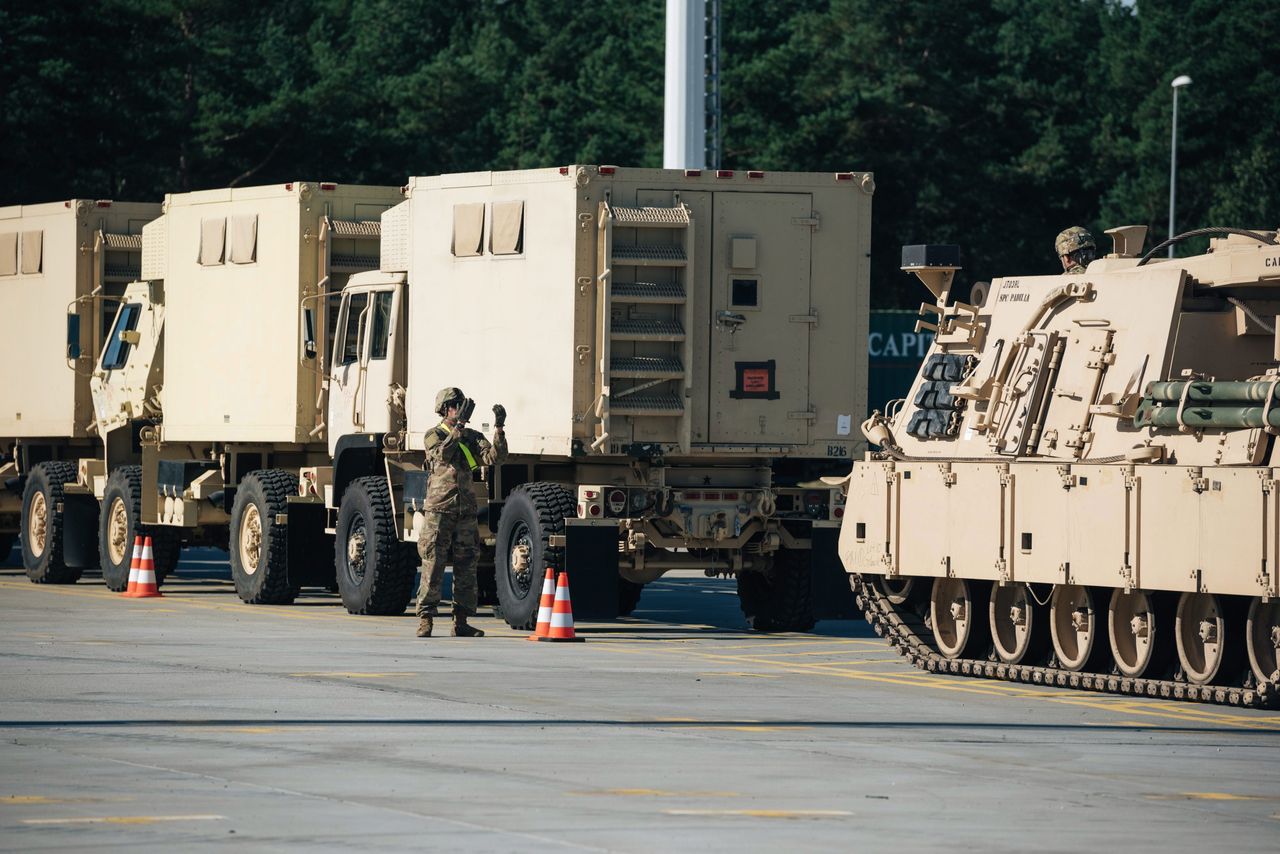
1083	487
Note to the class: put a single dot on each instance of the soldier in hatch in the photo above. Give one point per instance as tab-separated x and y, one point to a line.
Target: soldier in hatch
1075	249
454	452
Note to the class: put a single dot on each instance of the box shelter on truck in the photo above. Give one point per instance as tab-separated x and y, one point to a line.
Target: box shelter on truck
61	259
204	394
681	354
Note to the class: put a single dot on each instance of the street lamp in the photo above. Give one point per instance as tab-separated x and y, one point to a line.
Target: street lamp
1178	82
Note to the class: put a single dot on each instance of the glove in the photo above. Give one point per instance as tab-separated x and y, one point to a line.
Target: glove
499	416
464	413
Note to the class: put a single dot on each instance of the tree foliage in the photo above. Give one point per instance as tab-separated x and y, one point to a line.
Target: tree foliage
989	123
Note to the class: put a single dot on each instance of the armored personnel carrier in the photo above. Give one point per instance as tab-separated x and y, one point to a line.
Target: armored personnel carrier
673	348
1081	488
68	259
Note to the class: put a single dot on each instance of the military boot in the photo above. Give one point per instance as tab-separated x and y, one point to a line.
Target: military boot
461	629
425	625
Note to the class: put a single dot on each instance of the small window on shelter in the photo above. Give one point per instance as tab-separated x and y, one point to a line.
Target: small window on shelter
32	252
507	235
468	230
744	293
213	235
243	242
9	254
116	354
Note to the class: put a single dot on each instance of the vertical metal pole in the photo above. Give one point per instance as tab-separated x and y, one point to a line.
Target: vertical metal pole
1173	167
713	86
684	138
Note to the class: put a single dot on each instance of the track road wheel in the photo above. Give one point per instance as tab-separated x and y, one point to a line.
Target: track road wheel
1079	632
898	590
44	524
958	613
375	570
120	522
1139	625
1208	635
1262	637
779	598
531	514
1019	628
259	546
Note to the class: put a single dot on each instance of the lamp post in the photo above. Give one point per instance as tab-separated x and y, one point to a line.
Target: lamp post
1177	83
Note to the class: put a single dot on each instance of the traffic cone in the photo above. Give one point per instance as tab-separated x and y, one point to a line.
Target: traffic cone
545	607
147	587
562	614
135	563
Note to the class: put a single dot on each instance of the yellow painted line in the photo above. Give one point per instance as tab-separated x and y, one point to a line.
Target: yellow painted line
1119	723
344	674
657	793
124	819
1211	796
764	813
802	642
941	682
762	728
742	674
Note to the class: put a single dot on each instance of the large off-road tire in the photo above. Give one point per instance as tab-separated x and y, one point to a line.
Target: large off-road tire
779	598
259	547
44	524
121	521
628	596
531	514
375	570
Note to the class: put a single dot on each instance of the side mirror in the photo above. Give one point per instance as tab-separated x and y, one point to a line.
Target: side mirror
309	333
73	336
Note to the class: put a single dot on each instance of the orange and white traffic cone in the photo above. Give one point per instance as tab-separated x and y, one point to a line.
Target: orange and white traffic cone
147	587
545	607
562	614
135	563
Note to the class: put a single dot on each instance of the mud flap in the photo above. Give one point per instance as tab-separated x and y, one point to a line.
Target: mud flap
591	560
832	596
311	562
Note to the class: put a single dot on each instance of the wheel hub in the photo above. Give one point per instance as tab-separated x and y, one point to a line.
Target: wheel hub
117	532
356	542
520	559
38	525
250	539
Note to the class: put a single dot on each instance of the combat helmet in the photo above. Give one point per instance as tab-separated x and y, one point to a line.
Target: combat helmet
447	397
1073	239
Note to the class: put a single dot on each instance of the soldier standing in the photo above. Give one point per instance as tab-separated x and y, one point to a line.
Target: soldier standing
454	452
1075	248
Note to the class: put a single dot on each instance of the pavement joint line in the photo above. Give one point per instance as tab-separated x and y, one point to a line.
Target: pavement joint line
122	819
941	682
500	831
760	813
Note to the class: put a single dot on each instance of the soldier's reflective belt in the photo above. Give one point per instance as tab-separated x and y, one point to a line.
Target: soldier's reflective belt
466	452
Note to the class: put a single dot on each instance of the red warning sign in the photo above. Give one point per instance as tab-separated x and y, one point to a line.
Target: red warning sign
755	379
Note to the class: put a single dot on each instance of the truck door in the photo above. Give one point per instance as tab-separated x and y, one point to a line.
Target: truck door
760	319
366	362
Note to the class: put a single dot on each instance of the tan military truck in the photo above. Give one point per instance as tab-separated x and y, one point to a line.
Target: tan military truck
62	259
678	352
204	393
1081	488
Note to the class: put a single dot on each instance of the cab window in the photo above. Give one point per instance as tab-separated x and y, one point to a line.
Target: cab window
380	324
351	329
116	353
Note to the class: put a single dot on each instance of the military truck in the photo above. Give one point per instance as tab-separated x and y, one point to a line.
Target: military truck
1081	488
69	256
204	397
681	356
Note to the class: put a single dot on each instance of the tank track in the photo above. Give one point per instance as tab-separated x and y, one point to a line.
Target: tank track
907	633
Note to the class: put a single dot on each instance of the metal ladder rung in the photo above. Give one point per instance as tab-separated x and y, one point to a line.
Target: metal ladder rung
645	367
648	292
650	217
650	255
646	330
663	405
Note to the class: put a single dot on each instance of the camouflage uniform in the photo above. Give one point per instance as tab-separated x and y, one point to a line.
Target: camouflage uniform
452	456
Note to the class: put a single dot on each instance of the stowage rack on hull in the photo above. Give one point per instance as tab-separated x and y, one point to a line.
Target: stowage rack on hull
1083	486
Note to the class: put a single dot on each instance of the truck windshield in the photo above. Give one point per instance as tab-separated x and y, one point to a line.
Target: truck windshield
116	353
